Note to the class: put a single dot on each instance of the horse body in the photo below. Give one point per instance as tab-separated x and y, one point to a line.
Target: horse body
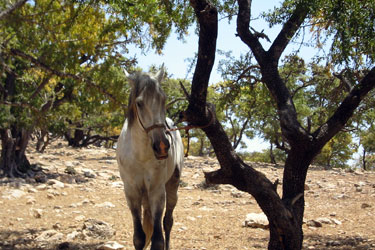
150	159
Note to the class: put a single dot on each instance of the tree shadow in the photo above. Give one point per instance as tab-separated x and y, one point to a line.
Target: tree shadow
38	175
339	242
25	240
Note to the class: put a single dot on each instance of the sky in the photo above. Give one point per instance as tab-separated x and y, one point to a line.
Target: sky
176	52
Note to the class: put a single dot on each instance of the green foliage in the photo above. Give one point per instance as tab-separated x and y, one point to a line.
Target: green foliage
348	25
69	65
336	152
351	25
151	21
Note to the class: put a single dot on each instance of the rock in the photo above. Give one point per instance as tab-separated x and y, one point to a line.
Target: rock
31	201
236	194
37	213
55	183
73	235
32	190
67	179
41	178
360	184
330	186
69	164
50	235
256	220
79	218
41	187
117	184
324	220
365	205
106	204
111	245
13	194
340	196
314	223
97	229
88	173
50	196
336	221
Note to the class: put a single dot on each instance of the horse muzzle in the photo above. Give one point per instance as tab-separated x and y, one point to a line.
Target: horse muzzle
161	149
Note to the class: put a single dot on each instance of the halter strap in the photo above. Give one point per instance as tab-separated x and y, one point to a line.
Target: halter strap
148	129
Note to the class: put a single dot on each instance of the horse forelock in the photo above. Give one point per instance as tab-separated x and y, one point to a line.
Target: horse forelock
142	82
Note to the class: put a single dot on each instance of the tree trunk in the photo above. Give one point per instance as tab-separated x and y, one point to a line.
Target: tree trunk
77	139
43	140
364	160
272	156
14	162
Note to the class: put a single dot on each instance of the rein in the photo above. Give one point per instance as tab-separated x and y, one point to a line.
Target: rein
188	127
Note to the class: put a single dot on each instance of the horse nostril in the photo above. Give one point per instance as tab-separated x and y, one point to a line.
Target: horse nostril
155	147
167	145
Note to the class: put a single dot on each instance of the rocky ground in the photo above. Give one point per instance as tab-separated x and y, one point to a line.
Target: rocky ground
75	201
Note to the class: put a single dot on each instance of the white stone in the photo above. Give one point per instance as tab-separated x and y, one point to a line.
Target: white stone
256	220
37	213
106	204
56	184
88	173
79	218
50	235
111	245
13	194
73	235
324	220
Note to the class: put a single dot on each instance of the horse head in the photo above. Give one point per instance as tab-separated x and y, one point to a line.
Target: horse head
147	109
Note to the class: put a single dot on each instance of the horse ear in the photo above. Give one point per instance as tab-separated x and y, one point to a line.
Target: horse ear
126	73
160	74
130	77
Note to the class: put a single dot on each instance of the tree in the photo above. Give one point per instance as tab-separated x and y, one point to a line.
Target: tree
51	53
285	213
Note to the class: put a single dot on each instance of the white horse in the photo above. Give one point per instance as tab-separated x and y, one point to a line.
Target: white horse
150	159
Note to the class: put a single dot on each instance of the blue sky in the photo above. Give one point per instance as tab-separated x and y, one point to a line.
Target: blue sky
176	52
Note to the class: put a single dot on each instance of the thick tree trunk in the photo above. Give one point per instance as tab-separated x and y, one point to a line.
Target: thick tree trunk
14	162
43	141
77	139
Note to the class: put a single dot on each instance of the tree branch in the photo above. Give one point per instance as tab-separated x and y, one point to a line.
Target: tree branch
243	30
208	25
9	11
346	109
79	78
288	31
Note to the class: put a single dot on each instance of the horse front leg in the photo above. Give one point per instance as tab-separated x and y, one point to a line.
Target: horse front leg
171	188
134	204
157	203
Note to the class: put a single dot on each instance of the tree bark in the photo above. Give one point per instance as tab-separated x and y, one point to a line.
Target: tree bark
14	162
285	214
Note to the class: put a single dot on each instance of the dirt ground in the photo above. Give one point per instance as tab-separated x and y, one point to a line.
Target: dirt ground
75	186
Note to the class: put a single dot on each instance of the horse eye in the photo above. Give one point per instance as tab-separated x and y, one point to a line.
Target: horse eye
139	104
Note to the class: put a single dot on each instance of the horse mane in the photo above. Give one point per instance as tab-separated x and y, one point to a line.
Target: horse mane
141	81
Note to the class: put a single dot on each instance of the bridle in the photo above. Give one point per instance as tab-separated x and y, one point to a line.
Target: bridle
165	125
168	130
147	129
